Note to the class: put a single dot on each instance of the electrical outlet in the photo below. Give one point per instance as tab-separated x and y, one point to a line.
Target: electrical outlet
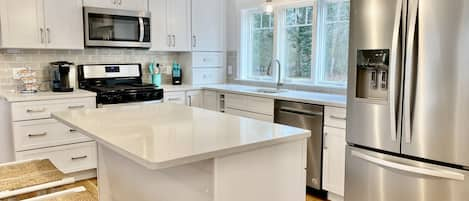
16	70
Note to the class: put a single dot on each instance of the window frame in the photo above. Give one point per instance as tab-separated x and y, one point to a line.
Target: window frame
246	47
279	35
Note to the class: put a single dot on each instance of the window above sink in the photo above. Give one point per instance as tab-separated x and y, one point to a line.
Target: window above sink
310	39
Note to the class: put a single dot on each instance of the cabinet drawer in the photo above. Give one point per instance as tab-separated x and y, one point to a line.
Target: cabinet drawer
207	59
335	117
67	158
261	117
250	104
44	133
208	75
210	100
175	97
42	109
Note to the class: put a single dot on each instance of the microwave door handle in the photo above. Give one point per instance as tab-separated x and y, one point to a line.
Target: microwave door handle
410	65
436	173
394	65
142	29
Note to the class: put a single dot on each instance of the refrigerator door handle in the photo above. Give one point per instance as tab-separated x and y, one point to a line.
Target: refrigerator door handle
393	70
443	174
410	64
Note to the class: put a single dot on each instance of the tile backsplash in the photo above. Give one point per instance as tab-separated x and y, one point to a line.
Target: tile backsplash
39	61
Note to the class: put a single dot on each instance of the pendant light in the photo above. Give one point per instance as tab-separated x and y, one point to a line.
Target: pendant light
268	7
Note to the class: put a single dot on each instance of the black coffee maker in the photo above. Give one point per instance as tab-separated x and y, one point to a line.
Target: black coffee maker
61	80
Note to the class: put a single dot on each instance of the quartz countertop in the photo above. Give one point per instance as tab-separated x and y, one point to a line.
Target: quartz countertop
326	99
166	135
12	96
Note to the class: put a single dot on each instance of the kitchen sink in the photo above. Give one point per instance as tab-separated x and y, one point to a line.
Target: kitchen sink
271	91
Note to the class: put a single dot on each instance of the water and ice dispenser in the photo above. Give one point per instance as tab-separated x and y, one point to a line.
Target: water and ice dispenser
372	74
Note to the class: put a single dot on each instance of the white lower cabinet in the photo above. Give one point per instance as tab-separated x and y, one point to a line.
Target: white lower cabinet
175	97
68	158
250	106
334	152
251	115
195	98
211	100
35	135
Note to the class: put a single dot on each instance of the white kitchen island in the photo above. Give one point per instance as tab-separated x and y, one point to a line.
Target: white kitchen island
168	152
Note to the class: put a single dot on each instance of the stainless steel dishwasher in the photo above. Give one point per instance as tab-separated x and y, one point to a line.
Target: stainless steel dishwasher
310	117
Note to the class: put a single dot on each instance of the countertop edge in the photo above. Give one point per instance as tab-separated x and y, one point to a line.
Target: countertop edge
188	159
34	97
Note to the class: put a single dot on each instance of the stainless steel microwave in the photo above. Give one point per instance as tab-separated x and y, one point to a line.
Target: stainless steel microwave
116	28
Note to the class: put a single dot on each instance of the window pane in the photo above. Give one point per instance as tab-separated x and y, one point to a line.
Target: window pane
261	45
291	16
262	51
336	36
297	48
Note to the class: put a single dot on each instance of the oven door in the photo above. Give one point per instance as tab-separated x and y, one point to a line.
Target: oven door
116	28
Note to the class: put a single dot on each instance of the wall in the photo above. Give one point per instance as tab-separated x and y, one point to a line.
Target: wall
39	61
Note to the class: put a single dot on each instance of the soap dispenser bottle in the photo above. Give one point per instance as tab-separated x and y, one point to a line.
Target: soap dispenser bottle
176	74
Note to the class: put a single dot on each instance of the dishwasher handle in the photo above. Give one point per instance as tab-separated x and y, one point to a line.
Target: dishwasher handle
301	112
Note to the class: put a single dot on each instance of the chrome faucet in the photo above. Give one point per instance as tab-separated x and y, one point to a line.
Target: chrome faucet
279	68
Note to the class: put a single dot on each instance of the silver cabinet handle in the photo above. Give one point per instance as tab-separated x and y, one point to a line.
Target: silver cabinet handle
79	158
72	130
174	40
190	101
338	118
42	35
169	41
325	140
38	134
194	41
174	99
36	110
76	107
444	174
48	35
120	2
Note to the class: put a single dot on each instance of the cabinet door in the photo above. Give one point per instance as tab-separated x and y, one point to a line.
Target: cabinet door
175	97
251	115
334	160
207	25
140	5
101	3
194	99
22	24
210	100
179	24
159	29
64	24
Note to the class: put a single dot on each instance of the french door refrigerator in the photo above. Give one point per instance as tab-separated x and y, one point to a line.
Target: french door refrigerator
408	101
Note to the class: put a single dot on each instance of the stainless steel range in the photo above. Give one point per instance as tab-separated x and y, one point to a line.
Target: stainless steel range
118	84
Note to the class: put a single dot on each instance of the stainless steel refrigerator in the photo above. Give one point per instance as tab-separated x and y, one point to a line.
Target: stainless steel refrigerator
408	101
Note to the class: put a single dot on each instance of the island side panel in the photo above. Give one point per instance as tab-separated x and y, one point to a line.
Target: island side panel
276	173
121	179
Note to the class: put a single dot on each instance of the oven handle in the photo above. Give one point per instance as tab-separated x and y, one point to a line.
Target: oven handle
142	29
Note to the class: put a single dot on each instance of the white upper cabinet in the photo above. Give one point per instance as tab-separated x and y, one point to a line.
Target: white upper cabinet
208	25
62	24
21	24
119	4
51	24
170	24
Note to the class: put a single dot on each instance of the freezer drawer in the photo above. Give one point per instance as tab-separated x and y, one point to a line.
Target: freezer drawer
377	177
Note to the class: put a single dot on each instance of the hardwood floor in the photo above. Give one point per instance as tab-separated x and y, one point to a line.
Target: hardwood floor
312	198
